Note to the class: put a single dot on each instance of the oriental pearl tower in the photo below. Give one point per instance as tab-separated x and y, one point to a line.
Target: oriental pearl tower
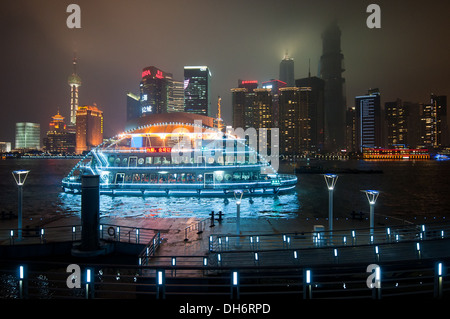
74	82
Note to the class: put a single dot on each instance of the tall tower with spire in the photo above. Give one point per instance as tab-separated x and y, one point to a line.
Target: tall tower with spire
331	69
74	82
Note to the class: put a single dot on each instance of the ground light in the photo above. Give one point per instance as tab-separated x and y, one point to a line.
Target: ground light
20	176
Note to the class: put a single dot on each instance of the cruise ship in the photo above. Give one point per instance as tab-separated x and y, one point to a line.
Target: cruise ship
178	154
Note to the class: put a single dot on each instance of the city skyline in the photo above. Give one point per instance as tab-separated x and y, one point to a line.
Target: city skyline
111	53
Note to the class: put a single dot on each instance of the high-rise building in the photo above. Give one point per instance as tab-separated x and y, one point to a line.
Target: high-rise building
368	120
252	107
434	122
197	90
74	83
287	70
134	109
413	127
331	69
350	130
275	86
89	128
59	139
299	122
313	98
28	135
289	121
155	90
395	116
176	97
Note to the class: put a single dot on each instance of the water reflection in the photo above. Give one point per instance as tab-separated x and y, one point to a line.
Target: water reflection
285	206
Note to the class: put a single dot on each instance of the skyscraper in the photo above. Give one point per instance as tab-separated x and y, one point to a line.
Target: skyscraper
89	128
434	122
368	120
313	98
176	97
331	69
395	116
133	106
287	70
275	86
28	135
155	90
74	83
197	90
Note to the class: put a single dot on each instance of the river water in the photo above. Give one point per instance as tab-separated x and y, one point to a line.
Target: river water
408	189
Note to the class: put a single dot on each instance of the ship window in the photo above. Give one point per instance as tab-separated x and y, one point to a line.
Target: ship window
145	178
236	175
172	178
119	178
153	178
165	161
117	161
148	160
125	161
111	160
245	175
133	161
136	178
157	160
141	161
128	178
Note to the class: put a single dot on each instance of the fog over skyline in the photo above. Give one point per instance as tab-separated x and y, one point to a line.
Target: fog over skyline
407	58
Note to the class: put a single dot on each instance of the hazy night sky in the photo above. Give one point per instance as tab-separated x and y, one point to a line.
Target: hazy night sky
407	58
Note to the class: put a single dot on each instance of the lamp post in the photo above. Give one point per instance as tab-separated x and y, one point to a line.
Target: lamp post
372	198
330	179
238	196
20	176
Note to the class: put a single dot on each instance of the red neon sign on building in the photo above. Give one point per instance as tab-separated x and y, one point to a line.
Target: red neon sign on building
146	73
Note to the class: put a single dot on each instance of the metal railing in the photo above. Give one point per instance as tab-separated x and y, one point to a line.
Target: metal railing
65	233
199	227
150	249
322	238
50	280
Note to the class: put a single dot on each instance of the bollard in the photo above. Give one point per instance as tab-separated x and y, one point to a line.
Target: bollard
220	217
212	219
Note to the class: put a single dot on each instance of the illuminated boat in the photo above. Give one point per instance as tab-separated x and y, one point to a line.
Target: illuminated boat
178	158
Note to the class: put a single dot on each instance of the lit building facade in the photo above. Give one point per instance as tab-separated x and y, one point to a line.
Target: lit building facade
275	86
312	97
368	120
28	136
89	129
74	83
197	90
176	97
396	123
59	139
434	122
155	90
